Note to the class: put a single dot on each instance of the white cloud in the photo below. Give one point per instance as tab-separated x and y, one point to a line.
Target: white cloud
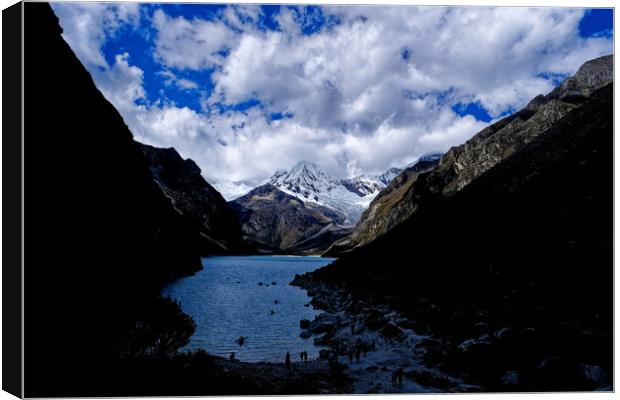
173	80
86	26
121	83
373	92
190	44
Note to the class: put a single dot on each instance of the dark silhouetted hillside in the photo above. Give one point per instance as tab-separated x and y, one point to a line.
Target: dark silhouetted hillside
100	237
193	197
514	271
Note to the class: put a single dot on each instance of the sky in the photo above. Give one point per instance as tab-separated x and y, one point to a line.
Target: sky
245	90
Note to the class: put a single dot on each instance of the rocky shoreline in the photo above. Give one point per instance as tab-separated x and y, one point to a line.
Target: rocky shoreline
374	345
311	377
478	359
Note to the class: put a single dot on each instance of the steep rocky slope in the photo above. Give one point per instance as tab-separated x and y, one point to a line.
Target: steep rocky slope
100	236
275	221
192	196
364	185
512	272
391	206
463	164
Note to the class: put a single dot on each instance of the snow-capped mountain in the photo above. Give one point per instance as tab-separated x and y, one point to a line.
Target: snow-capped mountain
308	182
430	157
365	185
231	190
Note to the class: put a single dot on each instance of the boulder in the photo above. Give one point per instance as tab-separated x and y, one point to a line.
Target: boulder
324	323
304	324
305	334
595	376
511	378
375	320
471	345
391	331
324	354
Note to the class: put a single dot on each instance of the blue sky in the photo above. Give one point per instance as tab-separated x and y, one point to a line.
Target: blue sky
246	90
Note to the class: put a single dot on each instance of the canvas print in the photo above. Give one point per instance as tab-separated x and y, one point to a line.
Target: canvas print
247	199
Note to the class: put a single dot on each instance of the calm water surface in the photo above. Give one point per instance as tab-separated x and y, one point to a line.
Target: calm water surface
226	301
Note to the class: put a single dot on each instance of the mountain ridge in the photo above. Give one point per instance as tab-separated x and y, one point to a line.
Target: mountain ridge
512	273
275	221
462	164
192	196
310	183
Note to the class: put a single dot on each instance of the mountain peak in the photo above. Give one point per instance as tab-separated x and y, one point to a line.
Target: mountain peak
310	183
307	170
430	157
305	163
596	72
303	173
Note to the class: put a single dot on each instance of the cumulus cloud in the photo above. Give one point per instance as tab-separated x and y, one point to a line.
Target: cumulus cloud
172	79
191	44
374	91
87	26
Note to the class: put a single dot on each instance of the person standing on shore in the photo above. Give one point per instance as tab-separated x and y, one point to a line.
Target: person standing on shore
287	361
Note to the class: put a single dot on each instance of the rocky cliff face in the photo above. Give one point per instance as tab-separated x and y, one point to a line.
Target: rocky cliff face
508	259
193	197
463	164
391	206
101	236
275	221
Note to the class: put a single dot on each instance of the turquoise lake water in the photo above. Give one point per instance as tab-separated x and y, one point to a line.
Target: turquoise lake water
226	301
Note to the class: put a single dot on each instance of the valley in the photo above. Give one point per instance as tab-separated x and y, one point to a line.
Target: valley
487	268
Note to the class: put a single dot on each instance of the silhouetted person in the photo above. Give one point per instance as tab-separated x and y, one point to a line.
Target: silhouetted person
397	377
287	361
305	355
301	356
332	361
232	356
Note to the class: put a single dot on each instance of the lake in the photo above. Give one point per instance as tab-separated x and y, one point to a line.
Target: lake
226	301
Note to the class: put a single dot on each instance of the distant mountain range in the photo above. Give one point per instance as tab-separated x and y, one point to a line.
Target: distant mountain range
300	211
304	210
309	183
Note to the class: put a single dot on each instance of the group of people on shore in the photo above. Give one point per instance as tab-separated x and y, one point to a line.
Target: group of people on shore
357	350
303	357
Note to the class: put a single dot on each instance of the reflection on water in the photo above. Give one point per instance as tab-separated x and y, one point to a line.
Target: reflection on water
226	301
